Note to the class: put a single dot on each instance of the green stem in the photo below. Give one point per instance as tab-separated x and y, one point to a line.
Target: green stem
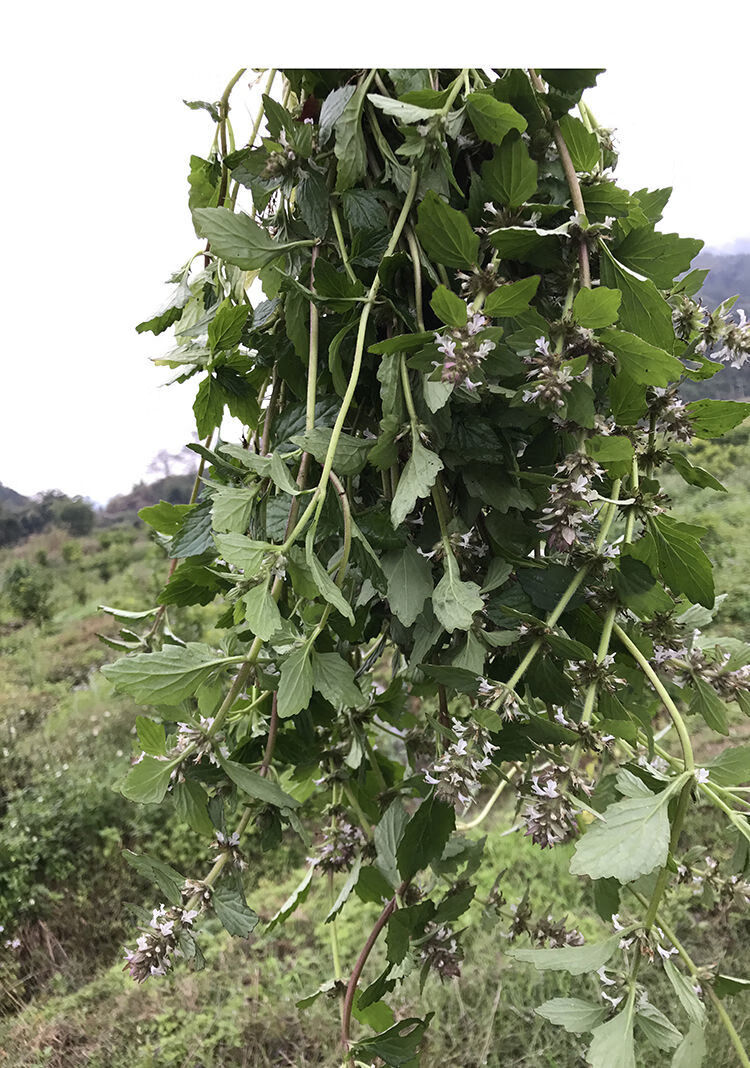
417	269
471	824
342	247
671	707
312	362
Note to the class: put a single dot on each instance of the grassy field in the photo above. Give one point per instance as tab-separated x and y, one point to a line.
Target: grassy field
66	893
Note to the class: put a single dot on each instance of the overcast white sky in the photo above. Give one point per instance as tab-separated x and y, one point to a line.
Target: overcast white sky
96	143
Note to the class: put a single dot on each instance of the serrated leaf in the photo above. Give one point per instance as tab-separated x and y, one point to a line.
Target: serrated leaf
576	960
239	240
660	257
448	307
349	147
511	299
683	564
455	601
194	536
257	786
351	453
165	677
387	837
510	177
492	119
164	517
208	407
631	839
334	679
713	418
190	802
147	781
693	475
398	1045
345	891
162	875
691	1050
595	308
640	361
643	310
151	736
683	988
416	481
225	329
572	1014
327	588
446	234
613	452
409	578
707	703
583	145
424	836
232	509
296	684
243	552
730	984
261	612
612	1045
232	912
657	1028
293	902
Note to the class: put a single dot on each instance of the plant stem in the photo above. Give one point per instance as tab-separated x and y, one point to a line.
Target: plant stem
312	362
490	804
417	269
342	247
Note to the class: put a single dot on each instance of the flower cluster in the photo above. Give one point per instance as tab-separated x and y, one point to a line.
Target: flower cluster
550	817
550	380
456	774
721	337
230	844
684	665
342	842
543	932
670	415
189	734
510	708
158	945
463	352
717	892
601	672
440	950
569	500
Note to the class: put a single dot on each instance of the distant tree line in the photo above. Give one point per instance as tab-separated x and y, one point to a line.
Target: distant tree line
21	516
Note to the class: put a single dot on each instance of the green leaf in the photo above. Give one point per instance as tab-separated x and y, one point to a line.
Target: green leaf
147	781
448	307
409	578
398	1045
151	736
454	601
643	310
261	612
312	201
613	452
194	536
630	840
351	453
713	418
190	802
401	343
659	1031
694	476
363	210
225	329
238	239
627	399
165	677
425	836
728	985
583	144
296	684
255	785
293	902
401	109
683	988
707	703
334	678
164	517
232	912
417	479
572	1014
243	552
327	588
387	836
682	563
595	308
612	1045
692	1049
642	362
350	142
492	119
731	767
576	960
511	299
232	509
446	234
162	875
208	406
660	257
510	177
345	891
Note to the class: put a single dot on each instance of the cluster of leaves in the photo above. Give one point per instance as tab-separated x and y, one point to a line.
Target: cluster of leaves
441	549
